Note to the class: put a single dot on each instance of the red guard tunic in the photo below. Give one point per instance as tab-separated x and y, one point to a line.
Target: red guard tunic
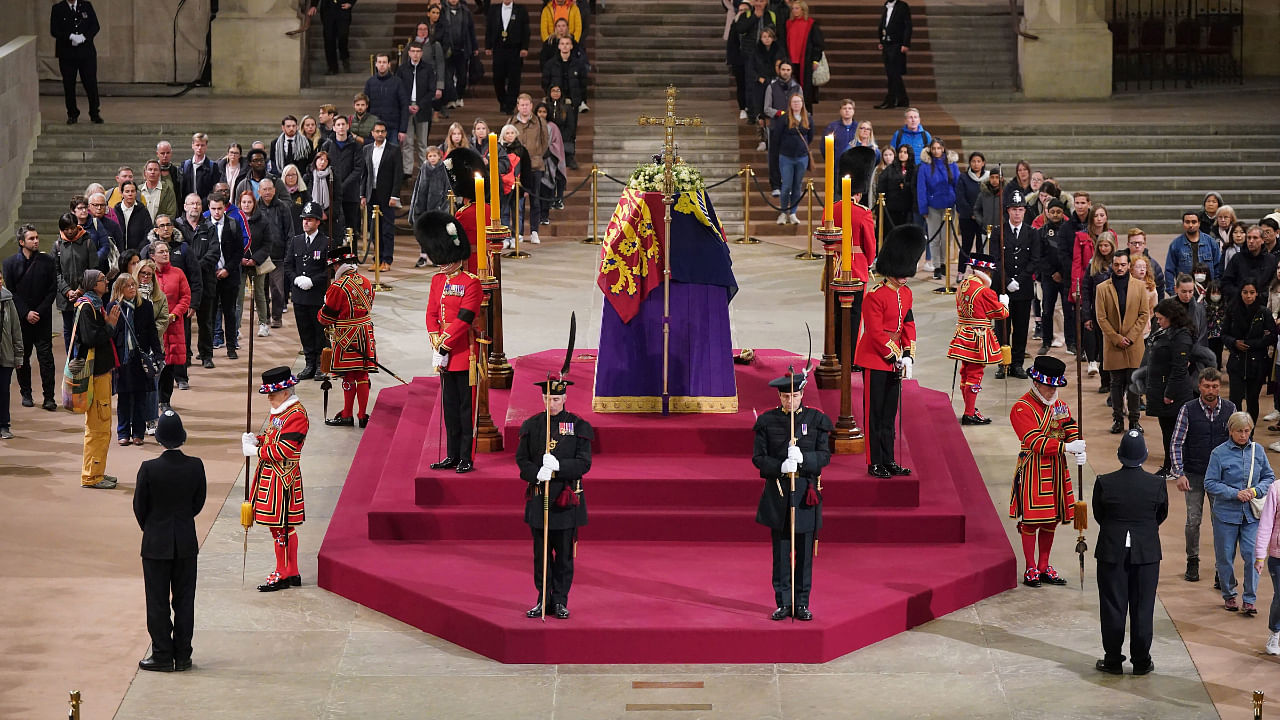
888	330
864	237
452	308
1042	491
278	477
347	306
978	307
467	216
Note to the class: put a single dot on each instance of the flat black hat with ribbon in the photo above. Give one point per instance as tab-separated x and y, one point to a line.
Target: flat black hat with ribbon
554	387
979	261
276	379
789	383
342	255
1048	370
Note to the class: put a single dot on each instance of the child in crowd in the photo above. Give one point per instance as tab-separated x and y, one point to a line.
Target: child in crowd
430	193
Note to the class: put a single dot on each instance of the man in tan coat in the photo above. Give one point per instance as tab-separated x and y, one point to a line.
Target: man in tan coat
536	139
1122	314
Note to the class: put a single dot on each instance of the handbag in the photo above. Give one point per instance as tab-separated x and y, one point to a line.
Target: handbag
77	377
822	73
1256	504
265	268
150	366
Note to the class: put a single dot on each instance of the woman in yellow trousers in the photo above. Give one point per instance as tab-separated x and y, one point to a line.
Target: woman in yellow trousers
94	330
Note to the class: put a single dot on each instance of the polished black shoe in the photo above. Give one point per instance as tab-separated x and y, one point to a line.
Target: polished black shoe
307	373
1031	578
293	580
73	119
1117	427
340	421
999	372
1104	666
364	420
207	363
27	401
182	665
535	611
1050	577
49	405
273	585
896	469
781	613
1133	425
1144	669
444	464
1044	350
879	471
1016	371
1193	570
561	612
232	354
151	663
464	466
976	418
803	614
96	119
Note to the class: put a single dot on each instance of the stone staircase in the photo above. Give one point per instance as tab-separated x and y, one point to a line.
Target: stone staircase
1147	174
69	157
972	52
375	28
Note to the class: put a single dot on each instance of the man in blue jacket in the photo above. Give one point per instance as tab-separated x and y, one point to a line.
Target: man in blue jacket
1193	253
387	98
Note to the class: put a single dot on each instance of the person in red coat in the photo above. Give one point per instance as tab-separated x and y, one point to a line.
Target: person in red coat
452	305
886	347
462	166
277	480
859	164
347	313
975	345
173	282
1042	496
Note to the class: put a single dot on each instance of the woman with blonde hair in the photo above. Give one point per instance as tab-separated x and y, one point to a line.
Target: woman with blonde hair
865	136
139	337
1141	270
1095	273
791	134
455	137
310	129
149	288
802	43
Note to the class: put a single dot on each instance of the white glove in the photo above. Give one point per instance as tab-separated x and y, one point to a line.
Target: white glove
303	282
793	453
1082	459
439	359
789	466
904	365
249	445
1004	300
544	474
1013	286
550	462
76	39
1074	447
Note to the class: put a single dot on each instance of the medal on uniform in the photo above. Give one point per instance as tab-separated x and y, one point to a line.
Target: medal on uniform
1059	411
804	428
566	428
504	34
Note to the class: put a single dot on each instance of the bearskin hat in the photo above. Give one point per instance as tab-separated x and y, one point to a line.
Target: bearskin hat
902	249
462	166
859	163
443	237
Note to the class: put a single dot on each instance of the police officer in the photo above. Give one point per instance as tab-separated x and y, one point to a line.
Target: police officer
791	441
554	472
305	267
453	303
1017	260
73	23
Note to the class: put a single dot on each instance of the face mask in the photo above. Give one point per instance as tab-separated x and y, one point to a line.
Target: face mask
1200	277
1215	297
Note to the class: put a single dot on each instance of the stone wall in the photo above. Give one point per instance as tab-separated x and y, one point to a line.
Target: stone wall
135	44
19	93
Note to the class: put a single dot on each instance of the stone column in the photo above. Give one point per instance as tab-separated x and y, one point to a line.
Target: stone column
20	95
1072	57
251	53
1261	26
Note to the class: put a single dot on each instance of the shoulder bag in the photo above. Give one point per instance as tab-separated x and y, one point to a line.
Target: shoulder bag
822	73
77	375
1256	504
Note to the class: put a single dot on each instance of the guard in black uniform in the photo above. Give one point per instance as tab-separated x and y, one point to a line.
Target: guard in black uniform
557	472
776	458
73	24
306	268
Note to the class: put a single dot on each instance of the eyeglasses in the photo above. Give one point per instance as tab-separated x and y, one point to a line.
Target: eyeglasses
97	204
160	225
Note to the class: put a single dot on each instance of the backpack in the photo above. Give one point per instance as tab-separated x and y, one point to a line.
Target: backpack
508	178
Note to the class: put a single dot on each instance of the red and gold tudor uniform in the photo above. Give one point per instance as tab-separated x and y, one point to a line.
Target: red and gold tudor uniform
975	344
277	479
348	304
1042	495
453	303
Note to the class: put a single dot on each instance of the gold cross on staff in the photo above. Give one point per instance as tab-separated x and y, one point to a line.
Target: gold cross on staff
669	123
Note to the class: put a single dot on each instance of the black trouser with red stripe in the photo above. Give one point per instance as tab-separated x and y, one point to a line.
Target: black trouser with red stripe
881	391
455	394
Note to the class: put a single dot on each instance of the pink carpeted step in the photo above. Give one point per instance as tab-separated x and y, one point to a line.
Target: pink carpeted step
671	481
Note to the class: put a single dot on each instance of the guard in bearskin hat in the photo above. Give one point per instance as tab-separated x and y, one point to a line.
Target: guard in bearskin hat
462	166
791	441
553	455
859	164
348	315
453	303
1042	496
974	345
305	267
887	343
276	486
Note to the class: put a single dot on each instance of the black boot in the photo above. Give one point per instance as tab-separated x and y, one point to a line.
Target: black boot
782	613
308	372
1117	427
1193	570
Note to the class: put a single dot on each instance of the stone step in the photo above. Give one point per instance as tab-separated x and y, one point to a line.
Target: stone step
1230	126
1173	154
1040	142
1224	184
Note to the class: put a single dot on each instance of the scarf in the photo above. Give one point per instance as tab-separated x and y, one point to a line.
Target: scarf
320	186
73	234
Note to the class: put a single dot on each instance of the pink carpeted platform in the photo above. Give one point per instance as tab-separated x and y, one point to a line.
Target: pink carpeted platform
672	567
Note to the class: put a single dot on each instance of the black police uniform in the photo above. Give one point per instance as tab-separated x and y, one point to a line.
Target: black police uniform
571	438
64	21
773	436
309	259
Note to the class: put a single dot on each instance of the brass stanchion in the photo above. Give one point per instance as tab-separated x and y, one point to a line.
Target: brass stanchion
1258	698
364	233
746	239
595	208
946	288
880	222
377	251
74	701
808	254
847	438
516	253
373	68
